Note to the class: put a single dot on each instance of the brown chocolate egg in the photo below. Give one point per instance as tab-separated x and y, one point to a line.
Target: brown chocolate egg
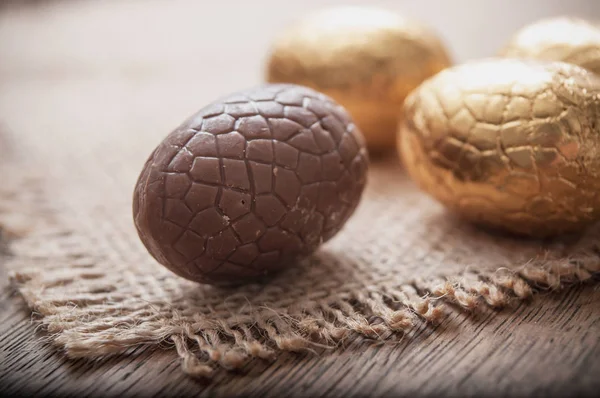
508	143
250	183
365	58
571	40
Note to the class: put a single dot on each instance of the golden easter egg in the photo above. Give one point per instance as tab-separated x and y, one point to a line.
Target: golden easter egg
367	59
564	39
508	143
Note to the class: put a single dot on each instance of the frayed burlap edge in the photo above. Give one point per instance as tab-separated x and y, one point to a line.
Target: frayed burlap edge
376	312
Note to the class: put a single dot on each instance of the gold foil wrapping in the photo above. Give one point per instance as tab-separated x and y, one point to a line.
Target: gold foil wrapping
508	143
365	58
563	39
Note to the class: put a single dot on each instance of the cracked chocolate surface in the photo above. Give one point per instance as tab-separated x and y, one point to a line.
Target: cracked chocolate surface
250	183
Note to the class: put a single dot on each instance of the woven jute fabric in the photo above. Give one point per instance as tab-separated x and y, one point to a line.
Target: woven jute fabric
77	261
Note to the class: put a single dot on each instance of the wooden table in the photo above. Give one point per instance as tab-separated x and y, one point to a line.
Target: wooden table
547	347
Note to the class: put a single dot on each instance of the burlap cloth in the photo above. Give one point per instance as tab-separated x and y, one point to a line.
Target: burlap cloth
72	148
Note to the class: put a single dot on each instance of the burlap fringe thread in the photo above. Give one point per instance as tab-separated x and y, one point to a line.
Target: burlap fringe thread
84	327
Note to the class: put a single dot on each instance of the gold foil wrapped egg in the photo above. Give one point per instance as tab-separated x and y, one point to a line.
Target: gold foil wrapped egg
563	39
367	59
508	143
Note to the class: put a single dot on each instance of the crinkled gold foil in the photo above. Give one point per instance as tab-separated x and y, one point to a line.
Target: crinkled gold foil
367	59
508	143
563	39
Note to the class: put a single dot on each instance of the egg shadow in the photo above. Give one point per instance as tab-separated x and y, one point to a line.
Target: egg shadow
322	272
473	235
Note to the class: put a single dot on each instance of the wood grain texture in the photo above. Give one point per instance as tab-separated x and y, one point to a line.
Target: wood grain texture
547	347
